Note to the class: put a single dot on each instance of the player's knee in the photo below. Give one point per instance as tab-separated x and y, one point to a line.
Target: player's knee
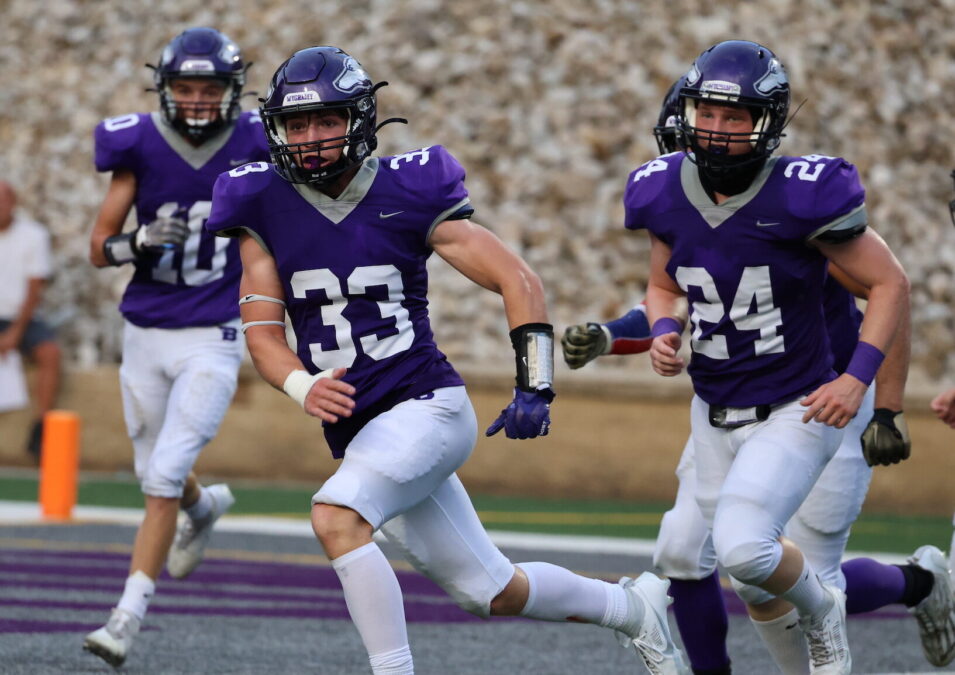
154	483
336	525
680	550
751	595
750	562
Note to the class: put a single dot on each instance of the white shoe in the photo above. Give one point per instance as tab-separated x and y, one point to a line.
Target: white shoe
936	613
826	635
191	538
647	595
113	641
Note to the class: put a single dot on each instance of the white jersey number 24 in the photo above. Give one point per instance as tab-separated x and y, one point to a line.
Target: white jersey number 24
754	285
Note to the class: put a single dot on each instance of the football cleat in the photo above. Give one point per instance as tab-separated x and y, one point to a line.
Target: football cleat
113	641
650	636
826	635
191	538
936	613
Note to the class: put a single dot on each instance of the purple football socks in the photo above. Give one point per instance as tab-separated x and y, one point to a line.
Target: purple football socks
701	616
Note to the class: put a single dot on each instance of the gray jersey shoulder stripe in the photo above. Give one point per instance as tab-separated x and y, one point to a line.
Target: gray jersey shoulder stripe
234	232
444	215
850	221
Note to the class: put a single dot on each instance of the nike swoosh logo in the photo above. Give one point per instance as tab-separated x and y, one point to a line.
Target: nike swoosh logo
388	215
792	625
238	162
761	224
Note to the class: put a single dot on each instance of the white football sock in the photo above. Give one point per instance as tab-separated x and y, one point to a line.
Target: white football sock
397	662
786	642
137	593
374	602
202	507
807	595
557	594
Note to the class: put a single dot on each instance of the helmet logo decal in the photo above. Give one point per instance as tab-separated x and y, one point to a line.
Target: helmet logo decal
197	66
773	80
692	75
301	97
721	89
351	76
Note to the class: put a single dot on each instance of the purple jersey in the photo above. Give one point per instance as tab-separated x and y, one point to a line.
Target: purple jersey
353	270
754	285
199	284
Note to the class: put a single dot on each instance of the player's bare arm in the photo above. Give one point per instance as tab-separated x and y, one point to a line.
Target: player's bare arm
480	256
664	302
886	439
870	262
112	214
484	259
324	395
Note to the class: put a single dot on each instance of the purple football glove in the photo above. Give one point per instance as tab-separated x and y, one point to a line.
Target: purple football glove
527	416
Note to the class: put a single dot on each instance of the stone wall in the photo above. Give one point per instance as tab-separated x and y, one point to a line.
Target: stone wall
547	104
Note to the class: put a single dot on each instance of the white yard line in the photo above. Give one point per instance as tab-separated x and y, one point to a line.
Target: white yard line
28	513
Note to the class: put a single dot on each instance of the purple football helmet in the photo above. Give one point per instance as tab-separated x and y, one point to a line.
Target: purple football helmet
321	78
200	53
665	130
735	72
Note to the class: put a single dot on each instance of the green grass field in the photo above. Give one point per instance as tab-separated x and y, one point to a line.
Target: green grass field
872	532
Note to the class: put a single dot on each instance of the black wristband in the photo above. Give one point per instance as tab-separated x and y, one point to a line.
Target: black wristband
534	355
121	248
885	416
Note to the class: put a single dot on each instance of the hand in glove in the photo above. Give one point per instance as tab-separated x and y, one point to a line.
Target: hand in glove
527	416
886	439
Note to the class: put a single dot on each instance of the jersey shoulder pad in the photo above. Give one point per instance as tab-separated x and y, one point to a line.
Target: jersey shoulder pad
826	193
117	139
234	195
433	178
645	186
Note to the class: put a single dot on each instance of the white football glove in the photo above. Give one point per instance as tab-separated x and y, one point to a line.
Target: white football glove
164	232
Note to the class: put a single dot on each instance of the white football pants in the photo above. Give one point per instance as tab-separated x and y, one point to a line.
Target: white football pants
751	481
820	528
176	386
398	474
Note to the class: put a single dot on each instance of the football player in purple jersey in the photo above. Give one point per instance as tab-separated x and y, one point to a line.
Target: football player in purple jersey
181	345
339	240
684	550
746	238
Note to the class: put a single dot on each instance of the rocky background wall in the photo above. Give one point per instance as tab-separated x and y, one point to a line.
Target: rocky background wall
548	104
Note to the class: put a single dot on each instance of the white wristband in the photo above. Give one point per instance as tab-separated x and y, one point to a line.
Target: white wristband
608	343
299	383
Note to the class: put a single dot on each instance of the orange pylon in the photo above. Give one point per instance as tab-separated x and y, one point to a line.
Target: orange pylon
59	464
